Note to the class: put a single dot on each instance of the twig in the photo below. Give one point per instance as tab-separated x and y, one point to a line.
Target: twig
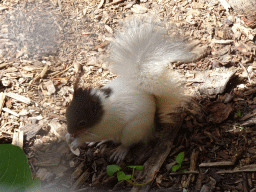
54	75
245	183
114	3
225	42
3	65
192	167
194	157
218	172
225	4
248	76
176	150
41	75
59	3
101	4
10	111
2	100
102	45
217	164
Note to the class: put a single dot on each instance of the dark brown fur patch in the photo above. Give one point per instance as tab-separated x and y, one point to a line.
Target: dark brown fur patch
84	111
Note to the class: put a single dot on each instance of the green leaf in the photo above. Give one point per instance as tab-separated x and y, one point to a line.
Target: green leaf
121	176
138	167
176	167
111	169
239	113
34	186
14	170
180	157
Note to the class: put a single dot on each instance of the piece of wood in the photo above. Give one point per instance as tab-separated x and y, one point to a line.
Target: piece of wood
211	82
217	164
30	130
59	73
19	97
78	171
18	139
2	100
223	42
225	4
114	2
41	75
250	33
10	111
4	65
247	7
160	153
79	182
45	69
101	4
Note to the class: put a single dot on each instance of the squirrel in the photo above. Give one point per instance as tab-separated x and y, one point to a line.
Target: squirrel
124	109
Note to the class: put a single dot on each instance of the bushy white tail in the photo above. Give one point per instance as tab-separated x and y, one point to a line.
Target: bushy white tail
141	54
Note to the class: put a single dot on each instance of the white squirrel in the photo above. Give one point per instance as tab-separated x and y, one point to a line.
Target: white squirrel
124	109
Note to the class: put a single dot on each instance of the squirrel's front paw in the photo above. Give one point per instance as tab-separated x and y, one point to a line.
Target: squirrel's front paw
76	143
69	138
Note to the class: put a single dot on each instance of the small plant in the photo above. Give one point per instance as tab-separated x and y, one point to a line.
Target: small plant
238	113
179	160
111	169
239	127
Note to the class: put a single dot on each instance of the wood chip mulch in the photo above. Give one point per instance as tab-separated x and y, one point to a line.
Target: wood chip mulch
41	44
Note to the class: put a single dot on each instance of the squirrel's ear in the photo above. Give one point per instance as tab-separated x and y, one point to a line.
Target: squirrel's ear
80	92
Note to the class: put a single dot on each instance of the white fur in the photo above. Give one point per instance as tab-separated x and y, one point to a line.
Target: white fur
140	55
128	115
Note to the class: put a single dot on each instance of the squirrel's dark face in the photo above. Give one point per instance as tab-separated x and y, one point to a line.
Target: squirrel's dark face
84	111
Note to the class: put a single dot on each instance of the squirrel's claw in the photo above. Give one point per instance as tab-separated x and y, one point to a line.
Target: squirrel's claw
91	144
119	154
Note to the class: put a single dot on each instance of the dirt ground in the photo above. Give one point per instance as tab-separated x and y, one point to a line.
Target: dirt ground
42	42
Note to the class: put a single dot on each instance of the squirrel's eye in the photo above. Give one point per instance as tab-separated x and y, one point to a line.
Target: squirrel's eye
81	123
